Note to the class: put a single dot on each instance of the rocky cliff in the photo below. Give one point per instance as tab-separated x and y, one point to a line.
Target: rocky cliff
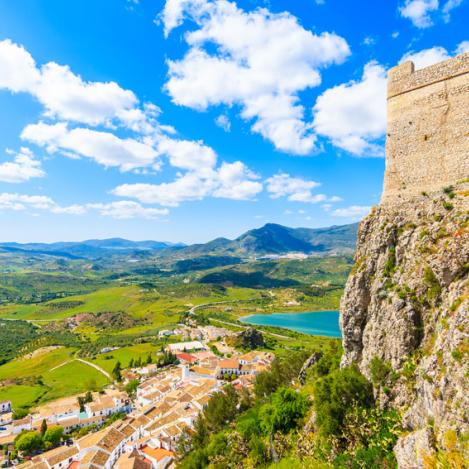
405	322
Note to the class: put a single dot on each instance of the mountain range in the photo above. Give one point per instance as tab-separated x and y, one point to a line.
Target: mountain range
271	239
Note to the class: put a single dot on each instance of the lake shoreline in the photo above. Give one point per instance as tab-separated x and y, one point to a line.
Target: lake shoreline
316	323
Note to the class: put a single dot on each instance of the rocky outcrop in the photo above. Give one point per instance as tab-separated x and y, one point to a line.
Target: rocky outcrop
311	361
405	309
249	339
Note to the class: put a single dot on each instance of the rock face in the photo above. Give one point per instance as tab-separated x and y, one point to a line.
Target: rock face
311	361
250	339
406	303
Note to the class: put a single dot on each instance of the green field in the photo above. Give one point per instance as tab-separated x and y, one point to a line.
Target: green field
31	381
125	308
35	366
21	395
124	355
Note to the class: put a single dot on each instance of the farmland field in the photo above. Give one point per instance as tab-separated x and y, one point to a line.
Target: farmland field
126	310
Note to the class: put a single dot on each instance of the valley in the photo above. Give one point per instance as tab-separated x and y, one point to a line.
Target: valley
69	302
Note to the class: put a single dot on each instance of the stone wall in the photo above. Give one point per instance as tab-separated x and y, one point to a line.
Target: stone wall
427	141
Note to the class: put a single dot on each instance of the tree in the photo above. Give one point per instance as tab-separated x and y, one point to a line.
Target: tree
116	372
336	393
131	387
81	403
88	397
43	427
288	407
27	442
221	408
131	363
53	436
149	359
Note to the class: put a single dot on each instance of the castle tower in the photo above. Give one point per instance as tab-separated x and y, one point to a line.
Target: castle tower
427	140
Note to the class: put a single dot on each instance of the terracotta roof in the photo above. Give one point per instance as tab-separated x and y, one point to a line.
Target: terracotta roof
157	453
132	461
203	370
100	458
187	357
228	364
111	440
91	440
59	454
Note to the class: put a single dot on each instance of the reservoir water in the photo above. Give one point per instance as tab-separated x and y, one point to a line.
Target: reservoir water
324	323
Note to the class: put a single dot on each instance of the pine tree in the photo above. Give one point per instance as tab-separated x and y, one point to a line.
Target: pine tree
43	427
116	372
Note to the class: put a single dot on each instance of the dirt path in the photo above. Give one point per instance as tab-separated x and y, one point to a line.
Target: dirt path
96	367
62	364
194	308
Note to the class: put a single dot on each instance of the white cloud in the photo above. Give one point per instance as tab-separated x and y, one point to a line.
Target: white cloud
224	122
353	115
354	211
126	209
369	41
236	182
103	147
14	201
231	181
21	202
67	98
257	60
450	5
462	47
419	12
426	57
64	94
120	210
23	167
19	72
295	189
188	154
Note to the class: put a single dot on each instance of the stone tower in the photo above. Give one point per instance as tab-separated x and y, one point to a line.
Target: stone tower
427	141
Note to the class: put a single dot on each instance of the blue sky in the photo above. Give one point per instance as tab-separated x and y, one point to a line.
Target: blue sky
185	120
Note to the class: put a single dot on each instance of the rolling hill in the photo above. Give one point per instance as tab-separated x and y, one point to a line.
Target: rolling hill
273	239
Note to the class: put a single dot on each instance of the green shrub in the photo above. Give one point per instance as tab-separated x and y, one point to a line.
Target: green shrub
284	413
434	287
380	371
336	393
390	265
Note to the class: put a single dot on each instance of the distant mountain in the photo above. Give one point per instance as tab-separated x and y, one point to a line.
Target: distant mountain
273	239
89	249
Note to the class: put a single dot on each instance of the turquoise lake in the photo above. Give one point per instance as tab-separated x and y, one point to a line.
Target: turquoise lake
324	323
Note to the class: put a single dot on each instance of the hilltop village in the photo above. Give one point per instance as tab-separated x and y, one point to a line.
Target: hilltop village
136	424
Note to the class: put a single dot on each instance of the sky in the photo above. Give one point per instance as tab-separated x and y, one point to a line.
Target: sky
186	120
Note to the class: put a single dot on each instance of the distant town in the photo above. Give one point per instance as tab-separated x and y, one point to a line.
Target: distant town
136	424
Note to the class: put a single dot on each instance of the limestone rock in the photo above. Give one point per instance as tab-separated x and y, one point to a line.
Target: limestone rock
406	302
311	361
412	449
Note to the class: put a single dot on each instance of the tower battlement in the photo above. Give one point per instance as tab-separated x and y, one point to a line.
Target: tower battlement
427	139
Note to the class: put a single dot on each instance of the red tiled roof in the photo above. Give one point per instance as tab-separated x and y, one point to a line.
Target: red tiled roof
187	357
